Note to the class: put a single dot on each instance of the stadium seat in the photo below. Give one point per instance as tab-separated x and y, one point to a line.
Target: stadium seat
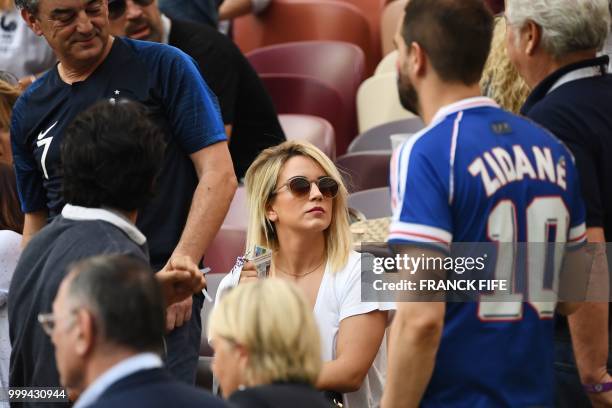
303	20
373	203
388	64
378	138
307	96
313	129
364	170
391	16
373	10
237	215
378	102
338	64
228	244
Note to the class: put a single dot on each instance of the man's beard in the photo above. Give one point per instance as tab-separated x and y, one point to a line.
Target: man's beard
407	94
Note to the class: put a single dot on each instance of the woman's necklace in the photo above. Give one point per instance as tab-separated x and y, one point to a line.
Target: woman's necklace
301	274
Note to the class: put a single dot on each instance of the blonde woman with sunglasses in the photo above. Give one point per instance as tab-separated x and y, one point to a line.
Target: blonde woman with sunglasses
298	209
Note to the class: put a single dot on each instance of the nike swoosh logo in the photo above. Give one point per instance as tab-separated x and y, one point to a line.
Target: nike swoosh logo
43	134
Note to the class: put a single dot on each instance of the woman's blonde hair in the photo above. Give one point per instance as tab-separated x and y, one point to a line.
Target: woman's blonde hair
260	181
8	96
500	79
274	322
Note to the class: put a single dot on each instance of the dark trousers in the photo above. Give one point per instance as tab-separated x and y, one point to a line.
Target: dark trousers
183	345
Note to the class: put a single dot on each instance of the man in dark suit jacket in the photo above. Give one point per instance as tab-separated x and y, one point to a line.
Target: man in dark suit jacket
107	326
249	115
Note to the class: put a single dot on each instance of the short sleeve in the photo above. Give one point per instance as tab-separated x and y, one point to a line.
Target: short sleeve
420	195
349	295
29	179
577	230
192	108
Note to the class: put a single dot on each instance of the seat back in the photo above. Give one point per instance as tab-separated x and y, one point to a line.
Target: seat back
388	64
302	20
237	215
338	64
378	138
365	170
228	244
313	129
307	96
372	10
373	203
378	102
391	17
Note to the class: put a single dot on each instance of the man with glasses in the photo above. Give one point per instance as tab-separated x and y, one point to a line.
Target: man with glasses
111	157
106	324
197	181
250	119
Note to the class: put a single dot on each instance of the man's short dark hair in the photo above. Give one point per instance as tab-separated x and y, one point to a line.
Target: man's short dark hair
111	155
455	34
125	299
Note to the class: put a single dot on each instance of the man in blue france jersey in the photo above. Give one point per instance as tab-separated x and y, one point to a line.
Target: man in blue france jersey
475	174
197	180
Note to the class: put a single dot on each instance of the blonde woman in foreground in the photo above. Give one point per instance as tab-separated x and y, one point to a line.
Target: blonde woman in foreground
298	209
267	350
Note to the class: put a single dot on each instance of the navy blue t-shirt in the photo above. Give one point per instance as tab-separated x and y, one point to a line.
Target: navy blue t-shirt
168	83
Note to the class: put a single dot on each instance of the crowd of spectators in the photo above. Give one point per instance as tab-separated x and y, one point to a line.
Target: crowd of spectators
126	127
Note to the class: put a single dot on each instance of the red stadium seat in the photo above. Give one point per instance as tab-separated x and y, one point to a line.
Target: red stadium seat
307	96
229	244
303	20
338	64
313	129
237	216
372	9
365	170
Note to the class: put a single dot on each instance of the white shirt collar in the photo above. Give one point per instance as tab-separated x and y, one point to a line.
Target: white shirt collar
131	365
166	27
469	103
582	73
74	212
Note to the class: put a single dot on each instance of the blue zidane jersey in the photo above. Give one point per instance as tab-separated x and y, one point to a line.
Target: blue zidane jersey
480	174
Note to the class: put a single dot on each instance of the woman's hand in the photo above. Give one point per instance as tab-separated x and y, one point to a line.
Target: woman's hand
249	273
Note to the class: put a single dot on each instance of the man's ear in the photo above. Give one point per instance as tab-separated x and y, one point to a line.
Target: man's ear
418	59
533	37
86	333
32	22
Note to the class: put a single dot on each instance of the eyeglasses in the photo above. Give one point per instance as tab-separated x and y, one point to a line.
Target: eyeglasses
116	8
300	186
48	321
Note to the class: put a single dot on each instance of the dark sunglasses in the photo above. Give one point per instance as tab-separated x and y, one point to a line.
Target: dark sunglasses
116	8
300	186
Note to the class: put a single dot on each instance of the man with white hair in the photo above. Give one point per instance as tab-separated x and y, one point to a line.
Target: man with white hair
554	45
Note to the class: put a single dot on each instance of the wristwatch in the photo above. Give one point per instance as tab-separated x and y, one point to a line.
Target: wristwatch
597	388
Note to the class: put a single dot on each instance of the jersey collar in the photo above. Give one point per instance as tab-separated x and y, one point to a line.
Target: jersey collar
77	213
469	103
